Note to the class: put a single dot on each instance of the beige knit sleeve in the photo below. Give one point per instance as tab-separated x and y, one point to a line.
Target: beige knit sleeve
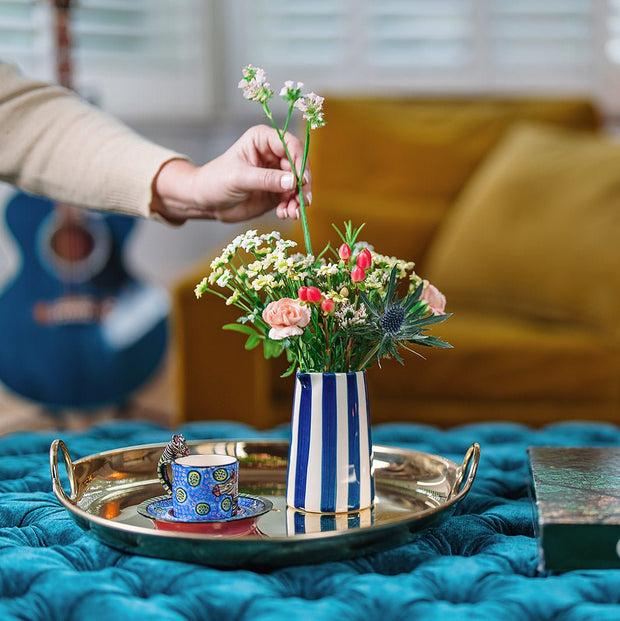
55	145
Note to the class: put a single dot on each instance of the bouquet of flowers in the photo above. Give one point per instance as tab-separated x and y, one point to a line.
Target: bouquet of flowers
336	312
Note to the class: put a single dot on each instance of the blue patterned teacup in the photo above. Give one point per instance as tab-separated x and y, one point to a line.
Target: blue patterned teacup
204	488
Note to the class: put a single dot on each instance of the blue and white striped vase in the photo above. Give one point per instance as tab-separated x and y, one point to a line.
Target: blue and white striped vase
330	467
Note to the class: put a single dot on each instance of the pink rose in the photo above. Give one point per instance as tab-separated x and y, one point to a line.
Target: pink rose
434	298
286	318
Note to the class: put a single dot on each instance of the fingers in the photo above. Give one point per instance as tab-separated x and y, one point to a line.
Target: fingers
279	182
288	209
267	146
289	206
267	140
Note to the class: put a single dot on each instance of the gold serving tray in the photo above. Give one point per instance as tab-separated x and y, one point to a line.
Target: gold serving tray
413	490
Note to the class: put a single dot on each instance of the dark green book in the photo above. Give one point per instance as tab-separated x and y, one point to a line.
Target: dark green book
576	499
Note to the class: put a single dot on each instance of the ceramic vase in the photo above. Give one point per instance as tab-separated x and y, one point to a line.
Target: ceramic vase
330	466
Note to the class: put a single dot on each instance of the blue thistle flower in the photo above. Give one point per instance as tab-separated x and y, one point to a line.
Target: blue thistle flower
394	321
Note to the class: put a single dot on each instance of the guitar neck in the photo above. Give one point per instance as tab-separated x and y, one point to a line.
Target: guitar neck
64	63
64	70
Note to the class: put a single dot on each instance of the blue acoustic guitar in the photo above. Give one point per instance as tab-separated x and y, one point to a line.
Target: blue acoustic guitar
76	329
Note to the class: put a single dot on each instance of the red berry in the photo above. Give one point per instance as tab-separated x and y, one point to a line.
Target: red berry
364	259
302	293
344	252
357	274
328	306
314	295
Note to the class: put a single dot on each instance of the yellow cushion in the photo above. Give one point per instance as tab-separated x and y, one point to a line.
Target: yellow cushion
500	357
537	230
424	148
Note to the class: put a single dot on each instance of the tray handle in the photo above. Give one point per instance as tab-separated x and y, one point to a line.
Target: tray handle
56	484
469	467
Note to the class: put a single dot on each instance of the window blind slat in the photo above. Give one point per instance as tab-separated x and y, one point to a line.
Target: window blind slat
137	58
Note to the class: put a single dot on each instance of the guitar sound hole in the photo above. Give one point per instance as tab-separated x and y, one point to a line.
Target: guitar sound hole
72	243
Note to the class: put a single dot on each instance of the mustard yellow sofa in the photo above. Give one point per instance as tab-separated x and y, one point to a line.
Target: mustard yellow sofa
510	206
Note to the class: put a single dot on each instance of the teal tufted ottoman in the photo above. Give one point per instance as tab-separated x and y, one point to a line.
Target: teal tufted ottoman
479	564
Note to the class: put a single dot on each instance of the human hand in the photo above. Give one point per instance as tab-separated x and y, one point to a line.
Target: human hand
250	178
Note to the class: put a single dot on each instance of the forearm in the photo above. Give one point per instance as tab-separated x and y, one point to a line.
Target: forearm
55	145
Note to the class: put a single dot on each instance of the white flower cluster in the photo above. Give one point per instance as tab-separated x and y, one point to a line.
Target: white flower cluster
201	287
252	243
405	268
328	269
377	279
347	315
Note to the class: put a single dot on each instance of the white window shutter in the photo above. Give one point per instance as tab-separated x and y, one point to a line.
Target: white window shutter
23	37
139	59
423	35
311	41
562	47
547	44
609	57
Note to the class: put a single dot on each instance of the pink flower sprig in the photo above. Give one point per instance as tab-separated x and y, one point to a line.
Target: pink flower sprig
255	88
291	92
311	106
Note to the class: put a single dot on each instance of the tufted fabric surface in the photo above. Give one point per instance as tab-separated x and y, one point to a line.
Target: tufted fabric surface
479	564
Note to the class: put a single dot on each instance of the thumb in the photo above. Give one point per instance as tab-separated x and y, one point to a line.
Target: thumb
267	180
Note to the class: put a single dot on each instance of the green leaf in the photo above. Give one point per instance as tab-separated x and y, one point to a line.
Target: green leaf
357	231
367	303
290	370
430	341
239	327
397	357
272	349
428	321
413	297
339	233
390	291
328	247
252	342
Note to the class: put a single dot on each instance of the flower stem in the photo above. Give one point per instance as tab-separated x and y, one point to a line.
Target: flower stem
327	346
298	175
302	207
281	136
347	354
288	117
369	356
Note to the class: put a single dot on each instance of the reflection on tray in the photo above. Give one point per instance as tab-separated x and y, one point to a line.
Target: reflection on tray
160	511
303	523
232	529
